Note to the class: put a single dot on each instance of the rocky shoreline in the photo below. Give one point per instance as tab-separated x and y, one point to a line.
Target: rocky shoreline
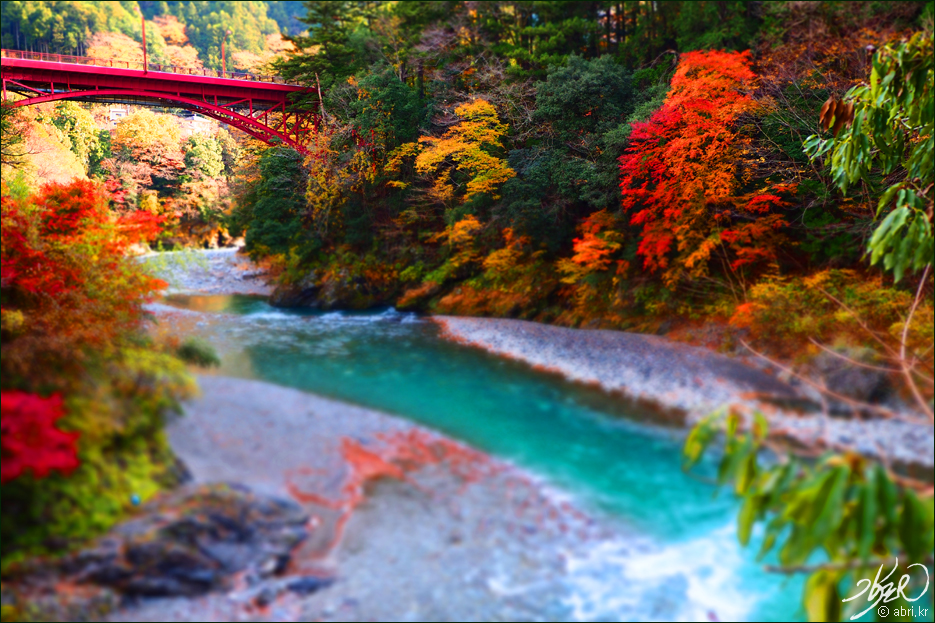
691	381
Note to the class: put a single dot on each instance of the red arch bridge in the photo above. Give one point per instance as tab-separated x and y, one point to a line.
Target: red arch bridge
260	106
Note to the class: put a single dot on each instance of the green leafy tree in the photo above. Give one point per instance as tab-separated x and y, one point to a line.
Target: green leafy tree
581	110
287	14
272	211
385	109
100	154
715	25
331	52
79	126
230	150
887	126
203	156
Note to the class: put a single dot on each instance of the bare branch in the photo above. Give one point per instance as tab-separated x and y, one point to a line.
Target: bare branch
907	370
882	411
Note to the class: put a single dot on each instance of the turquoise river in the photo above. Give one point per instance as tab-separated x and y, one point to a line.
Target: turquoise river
593	447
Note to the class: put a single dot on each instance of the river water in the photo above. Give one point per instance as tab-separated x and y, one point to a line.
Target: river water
585	444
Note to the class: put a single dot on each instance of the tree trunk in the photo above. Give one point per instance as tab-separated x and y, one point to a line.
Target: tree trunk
620	23
421	81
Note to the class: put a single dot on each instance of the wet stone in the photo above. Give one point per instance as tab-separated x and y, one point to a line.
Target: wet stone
309	584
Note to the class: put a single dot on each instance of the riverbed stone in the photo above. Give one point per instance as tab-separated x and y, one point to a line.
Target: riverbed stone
303	293
849	374
194	541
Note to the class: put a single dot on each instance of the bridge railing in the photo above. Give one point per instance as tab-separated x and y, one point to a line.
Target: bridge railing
160	67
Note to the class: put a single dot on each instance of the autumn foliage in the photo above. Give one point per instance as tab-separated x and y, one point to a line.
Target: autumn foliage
465	156
680	177
68	289
30	441
593	249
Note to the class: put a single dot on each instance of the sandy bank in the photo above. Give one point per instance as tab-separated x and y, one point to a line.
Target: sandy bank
687	379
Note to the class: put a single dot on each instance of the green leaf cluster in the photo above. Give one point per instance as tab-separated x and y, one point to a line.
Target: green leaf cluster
203	155
842	509
893	130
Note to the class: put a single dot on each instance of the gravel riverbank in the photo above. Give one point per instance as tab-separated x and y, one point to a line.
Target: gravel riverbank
690	380
677	378
214	271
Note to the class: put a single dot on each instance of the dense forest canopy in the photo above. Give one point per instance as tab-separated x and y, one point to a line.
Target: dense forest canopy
68	26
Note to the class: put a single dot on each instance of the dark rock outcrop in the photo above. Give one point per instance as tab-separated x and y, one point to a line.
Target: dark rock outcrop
853	374
335	292
302	294
192	542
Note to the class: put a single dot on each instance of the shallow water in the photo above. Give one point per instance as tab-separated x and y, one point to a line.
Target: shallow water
584	443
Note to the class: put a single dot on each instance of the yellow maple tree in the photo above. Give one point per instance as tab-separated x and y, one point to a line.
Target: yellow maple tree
463	161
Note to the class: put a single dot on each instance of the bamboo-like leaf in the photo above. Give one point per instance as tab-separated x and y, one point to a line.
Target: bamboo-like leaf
822	601
746	517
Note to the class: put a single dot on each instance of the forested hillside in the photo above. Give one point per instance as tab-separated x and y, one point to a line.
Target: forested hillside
618	165
70	27
751	177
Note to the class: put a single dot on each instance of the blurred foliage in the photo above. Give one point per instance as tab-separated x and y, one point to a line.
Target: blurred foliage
199	353
843	510
79	126
11	152
74	326
825	305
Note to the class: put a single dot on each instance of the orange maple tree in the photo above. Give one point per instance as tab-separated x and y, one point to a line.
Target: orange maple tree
681	178
598	241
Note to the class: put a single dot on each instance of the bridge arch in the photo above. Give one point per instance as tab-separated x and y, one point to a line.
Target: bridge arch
247	123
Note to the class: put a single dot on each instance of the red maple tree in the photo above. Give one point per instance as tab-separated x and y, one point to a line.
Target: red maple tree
681	180
69	290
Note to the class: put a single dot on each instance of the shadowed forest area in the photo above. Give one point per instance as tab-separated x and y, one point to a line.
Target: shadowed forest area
755	178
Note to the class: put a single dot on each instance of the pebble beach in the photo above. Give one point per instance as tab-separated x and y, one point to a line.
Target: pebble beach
468	538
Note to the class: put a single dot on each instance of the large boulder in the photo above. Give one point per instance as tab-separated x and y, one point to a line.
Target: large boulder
303	293
853	373
335	291
194	541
